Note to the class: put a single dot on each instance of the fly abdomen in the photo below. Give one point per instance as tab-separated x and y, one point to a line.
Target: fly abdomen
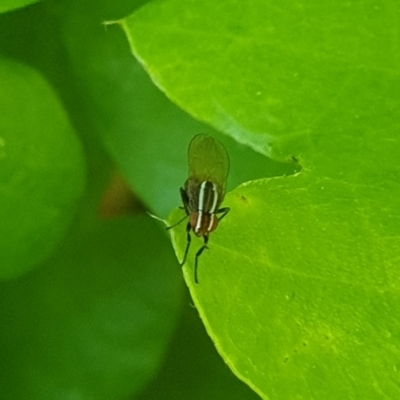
203	223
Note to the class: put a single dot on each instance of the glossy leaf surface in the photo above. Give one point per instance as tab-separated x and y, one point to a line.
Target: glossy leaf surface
299	289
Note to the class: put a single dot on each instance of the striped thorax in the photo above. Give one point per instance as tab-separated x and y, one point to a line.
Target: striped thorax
204	201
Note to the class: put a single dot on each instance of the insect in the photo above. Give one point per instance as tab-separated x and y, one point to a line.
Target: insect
204	191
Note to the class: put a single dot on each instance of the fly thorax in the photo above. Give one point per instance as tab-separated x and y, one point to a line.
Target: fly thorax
208	197
203	219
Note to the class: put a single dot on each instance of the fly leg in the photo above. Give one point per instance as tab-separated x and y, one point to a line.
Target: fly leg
198	254
223	211
185	207
189	239
176	223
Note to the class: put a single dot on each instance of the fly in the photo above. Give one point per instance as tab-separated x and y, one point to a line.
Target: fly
204	191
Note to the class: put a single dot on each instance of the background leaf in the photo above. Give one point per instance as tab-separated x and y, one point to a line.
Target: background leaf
41	169
8	5
100	310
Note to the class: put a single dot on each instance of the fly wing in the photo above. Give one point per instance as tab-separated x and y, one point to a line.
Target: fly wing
208	161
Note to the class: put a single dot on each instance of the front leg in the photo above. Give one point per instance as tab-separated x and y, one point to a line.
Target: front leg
223	211
189	239
185	200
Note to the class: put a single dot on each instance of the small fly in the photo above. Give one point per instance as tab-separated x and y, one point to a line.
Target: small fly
204	190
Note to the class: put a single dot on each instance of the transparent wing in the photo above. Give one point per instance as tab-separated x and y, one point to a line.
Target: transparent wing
208	160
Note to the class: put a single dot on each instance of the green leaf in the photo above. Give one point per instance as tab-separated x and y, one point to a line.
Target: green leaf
193	369
299	289
8	5
41	169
